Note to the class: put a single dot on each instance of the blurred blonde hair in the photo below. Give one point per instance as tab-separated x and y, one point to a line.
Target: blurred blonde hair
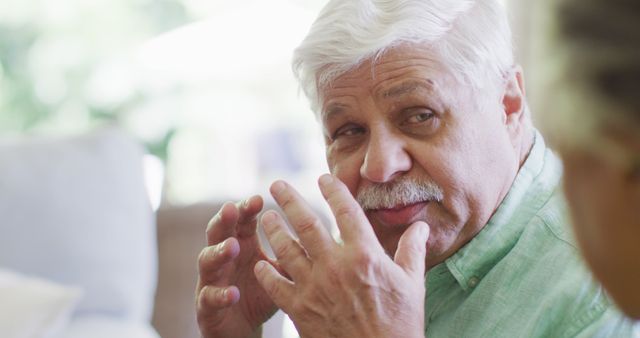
592	74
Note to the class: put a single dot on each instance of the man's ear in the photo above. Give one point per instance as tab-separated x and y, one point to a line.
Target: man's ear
513	102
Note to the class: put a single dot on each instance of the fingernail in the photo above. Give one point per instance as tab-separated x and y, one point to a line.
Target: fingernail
326	179
424	230
245	203
260	266
277	187
268	218
269	221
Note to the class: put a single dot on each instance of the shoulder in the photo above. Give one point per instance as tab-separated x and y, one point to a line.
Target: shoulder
570	301
552	222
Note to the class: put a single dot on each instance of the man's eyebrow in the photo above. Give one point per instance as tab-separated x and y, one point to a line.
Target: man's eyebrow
332	110
407	87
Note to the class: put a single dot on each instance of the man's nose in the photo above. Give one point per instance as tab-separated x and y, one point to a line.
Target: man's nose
386	157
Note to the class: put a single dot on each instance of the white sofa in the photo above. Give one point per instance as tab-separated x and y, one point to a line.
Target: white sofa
81	253
77	229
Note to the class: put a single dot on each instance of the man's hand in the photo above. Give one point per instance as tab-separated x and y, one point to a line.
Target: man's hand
229	301
343	290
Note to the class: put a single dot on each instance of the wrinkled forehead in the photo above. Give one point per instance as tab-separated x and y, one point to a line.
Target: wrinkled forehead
398	71
381	65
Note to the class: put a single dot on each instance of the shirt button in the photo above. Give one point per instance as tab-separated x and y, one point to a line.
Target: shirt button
473	281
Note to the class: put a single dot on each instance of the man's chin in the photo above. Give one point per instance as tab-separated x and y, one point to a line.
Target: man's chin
389	233
437	251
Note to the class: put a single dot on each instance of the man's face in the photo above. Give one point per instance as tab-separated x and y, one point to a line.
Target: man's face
407	123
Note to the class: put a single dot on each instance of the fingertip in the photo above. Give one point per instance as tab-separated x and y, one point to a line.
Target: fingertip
423	236
264	274
424	232
325	179
233	246
229	207
233	294
228	214
252	204
277	187
327	185
269	216
256	202
268	221
259	267
214	220
426	228
423	229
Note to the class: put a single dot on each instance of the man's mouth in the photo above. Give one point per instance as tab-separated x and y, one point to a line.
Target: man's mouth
400	215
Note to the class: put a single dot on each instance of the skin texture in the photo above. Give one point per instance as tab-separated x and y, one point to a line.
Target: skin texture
226	268
470	146
605	198
405	117
351	289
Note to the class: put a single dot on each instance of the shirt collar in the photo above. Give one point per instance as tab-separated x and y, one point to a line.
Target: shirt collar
525	197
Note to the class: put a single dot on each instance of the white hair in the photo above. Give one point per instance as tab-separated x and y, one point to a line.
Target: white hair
471	38
401	192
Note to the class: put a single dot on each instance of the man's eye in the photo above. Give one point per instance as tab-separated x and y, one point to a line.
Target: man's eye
420	117
348	131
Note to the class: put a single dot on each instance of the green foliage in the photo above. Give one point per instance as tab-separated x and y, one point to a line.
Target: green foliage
55	55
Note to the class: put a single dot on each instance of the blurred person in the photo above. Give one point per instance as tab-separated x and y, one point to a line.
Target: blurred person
435	166
595	126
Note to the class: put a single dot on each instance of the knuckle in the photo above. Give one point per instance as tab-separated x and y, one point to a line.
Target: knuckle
333	274
207	312
203	257
211	225
198	299
298	307
302	307
344	209
207	301
306	224
284	250
309	308
209	258
272	289
362	258
287	203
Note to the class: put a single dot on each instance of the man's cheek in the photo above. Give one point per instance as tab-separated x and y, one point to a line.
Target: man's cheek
350	179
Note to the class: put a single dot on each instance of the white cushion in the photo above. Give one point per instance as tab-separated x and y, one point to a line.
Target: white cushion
33	308
106	327
75	211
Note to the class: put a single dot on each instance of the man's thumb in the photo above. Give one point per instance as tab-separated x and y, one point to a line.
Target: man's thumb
412	248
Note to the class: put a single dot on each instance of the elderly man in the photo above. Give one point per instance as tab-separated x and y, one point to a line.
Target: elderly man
435	167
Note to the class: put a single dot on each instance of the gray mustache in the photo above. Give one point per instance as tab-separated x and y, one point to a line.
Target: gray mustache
403	192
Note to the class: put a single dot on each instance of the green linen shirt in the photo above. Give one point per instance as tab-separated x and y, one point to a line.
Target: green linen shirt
522	275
